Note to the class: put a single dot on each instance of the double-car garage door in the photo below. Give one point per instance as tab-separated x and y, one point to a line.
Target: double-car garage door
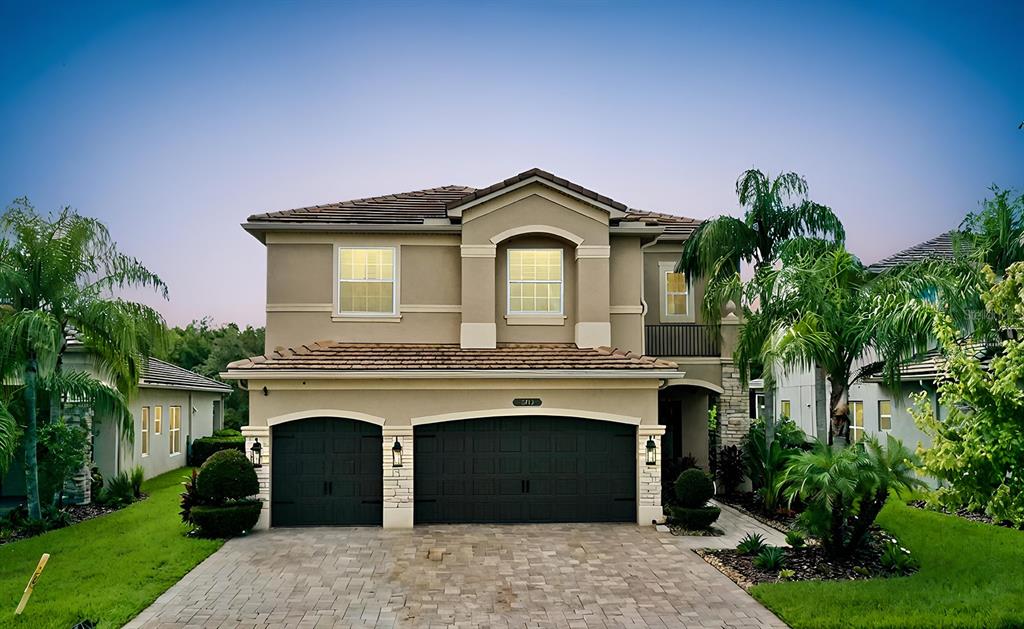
504	469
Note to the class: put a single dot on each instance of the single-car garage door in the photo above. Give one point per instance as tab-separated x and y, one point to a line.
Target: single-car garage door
525	469
326	470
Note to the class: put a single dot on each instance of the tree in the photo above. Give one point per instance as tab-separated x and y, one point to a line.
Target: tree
978	448
57	278
994	236
828	310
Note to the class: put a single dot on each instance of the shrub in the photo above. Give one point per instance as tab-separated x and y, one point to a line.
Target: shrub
137	476
203	448
731	468
770	558
62	453
226	520
227	432
795	539
95	482
693	489
189	498
118	490
697	519
751	544
897	559
226	475
670	471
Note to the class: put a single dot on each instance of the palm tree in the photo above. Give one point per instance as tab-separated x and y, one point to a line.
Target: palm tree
994	236
57	279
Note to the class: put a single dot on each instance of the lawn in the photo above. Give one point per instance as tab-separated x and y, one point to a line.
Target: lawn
107	569
972	575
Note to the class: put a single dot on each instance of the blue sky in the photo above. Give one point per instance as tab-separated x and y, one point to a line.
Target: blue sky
174	121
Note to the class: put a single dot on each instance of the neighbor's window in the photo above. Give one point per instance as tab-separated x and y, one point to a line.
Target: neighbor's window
856	421
884	415
786	407
535	281
145	431
158	419
174	413
677	294
759	405
366	280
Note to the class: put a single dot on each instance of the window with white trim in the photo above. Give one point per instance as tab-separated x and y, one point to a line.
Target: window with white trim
677	295
535	281
174	417
856	421
366	281
158	419
884	415
786	410
145	431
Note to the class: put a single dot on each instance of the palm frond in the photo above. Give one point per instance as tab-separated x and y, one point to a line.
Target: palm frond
81	387
10	437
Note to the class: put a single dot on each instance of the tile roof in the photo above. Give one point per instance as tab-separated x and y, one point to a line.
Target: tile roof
542	174
938	248
674	224
334	356
931	364
162	374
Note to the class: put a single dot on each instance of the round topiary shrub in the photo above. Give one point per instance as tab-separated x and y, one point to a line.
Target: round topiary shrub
694	488
226	520
226	475
694	519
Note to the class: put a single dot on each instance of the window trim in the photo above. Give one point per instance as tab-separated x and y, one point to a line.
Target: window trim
171	431
889	415
144	421
863	425
782	409
509	313
664	268
158	420
395	312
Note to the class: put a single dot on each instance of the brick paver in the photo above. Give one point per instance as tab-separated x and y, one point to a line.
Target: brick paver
566	575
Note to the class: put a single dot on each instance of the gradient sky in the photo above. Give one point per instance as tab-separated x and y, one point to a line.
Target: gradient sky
174	121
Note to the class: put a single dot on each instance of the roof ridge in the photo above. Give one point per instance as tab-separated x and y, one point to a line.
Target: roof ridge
381	197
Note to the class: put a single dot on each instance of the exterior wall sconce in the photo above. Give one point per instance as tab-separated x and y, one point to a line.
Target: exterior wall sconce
652	451
396	454
256	453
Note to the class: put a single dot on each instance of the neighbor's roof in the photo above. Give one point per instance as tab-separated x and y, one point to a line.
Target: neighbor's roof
434	204
351	357
160	374
931	364
938	248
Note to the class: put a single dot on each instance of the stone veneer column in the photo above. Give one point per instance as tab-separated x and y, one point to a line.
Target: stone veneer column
648	496
398	496
593	296
733	407
478	329
252	433
78	489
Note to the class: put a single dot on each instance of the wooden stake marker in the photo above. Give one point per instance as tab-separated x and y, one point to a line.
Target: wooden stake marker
32	584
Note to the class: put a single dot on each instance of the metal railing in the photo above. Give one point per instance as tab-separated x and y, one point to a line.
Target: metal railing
681	339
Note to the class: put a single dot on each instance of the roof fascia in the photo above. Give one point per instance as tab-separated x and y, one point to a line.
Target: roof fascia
612	212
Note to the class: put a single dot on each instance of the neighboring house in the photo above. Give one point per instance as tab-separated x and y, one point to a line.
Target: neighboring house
875	409
172	407
495	355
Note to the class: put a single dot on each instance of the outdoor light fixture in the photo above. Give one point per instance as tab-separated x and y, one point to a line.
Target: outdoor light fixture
256	453
652	452
396	454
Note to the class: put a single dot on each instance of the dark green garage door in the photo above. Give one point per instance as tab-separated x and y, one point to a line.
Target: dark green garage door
326	471
525	469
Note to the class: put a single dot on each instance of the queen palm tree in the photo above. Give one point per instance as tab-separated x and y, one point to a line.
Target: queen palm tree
58	276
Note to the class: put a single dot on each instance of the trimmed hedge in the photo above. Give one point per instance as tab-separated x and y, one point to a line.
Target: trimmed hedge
227	520
694	488
204	447
226	475
694	519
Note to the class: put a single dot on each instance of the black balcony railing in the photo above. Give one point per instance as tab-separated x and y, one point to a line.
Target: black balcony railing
681	339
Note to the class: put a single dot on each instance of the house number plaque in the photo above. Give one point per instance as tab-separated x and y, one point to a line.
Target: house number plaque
526	401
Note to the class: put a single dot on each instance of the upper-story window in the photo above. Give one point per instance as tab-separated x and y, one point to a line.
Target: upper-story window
366	280
535	281
676	299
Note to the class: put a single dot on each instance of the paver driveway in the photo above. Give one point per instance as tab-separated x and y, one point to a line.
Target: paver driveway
579	575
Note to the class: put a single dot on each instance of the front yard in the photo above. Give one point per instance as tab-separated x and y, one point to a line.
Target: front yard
107	569
972	575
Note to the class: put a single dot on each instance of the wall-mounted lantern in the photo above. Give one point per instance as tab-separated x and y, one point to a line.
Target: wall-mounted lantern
396	454
256	453
652	451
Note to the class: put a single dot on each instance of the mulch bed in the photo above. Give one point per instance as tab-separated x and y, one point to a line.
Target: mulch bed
973	516
807	563
677	530
749	504
77	513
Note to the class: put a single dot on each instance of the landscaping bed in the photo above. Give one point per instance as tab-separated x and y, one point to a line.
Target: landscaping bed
750	504
75	514
973	516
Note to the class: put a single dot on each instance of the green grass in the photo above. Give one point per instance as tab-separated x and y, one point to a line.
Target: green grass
107	569
972	575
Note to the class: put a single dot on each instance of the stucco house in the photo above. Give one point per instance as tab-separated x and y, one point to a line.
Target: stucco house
518	353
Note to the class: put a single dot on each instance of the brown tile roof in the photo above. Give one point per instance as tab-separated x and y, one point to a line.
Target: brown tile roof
938	248
543	174
673	223
334	356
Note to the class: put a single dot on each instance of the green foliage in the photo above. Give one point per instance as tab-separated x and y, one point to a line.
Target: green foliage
994	236
751	544
189	498
694	519
227	432
795	539
897	559
118	490
770	558
732	468
226	475
978	449
228	520
63	448
694	488
765	464
137	476
204	447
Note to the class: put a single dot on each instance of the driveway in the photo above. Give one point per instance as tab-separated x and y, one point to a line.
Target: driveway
536	575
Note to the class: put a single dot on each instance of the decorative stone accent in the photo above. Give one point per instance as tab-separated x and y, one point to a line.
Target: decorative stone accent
78	488
648	507
733	407
251	434
398	488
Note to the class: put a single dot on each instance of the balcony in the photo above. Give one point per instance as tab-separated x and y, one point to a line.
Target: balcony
681	339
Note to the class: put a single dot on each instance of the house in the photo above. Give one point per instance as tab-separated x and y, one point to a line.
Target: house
523	352
172	407
875	409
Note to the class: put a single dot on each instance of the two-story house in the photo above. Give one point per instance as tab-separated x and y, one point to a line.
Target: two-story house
519	353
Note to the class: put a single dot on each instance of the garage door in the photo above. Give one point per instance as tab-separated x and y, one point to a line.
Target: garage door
326	471
525	469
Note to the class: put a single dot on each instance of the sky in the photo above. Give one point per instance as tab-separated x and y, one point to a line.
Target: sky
173	121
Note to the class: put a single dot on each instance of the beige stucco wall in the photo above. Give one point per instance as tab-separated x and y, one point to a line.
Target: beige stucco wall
562	333
665	253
